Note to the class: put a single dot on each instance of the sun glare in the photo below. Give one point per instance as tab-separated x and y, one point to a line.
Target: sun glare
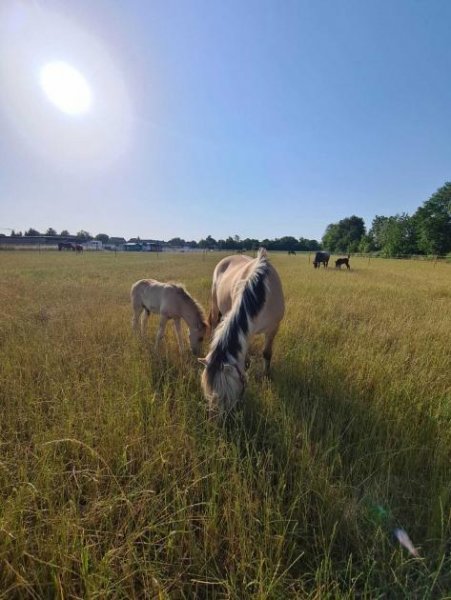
61	92
66	88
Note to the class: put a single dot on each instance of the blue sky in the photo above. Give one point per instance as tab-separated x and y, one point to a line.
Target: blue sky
252	118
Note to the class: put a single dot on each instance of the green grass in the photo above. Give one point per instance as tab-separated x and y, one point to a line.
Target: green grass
113	484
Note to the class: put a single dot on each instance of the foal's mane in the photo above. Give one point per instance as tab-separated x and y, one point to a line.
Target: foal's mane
200	314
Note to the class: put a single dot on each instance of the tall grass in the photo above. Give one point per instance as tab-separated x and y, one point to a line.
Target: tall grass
114	484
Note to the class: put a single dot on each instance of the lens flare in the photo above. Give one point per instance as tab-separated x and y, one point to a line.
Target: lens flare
62	94
66	88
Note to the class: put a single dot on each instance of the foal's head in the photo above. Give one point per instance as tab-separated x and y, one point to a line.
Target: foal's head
197	335
194	315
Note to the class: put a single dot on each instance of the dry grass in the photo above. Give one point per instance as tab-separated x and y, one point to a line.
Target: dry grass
113	484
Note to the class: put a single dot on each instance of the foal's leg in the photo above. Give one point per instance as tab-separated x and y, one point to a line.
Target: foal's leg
178	333
267	350
135	320
137	310
160	332
144	321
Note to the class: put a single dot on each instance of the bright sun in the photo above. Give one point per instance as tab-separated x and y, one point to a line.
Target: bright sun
66	88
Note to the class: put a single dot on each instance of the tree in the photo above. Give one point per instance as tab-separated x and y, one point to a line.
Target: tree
378	231
209	242
366	243
331	237
345	235
64	233
250	244
394	236
50	231
177	242
31	232
313	245
102	237
230	244
287	242
433	222
84	235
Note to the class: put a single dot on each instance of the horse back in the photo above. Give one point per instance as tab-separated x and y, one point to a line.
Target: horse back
149	293
230	275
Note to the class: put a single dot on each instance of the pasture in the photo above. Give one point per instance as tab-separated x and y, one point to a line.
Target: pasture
113	484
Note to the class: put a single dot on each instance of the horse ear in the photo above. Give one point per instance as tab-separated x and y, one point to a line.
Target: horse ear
203	361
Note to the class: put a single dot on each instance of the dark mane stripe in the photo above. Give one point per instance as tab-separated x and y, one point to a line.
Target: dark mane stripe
228	339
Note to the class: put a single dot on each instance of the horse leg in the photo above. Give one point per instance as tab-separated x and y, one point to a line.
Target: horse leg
144	320
135	319
138	307
178	333
267	350
160	332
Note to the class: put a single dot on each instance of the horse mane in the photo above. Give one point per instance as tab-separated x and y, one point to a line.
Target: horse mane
231	333
200	313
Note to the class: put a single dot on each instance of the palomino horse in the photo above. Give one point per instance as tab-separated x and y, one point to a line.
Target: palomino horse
170	301
248	292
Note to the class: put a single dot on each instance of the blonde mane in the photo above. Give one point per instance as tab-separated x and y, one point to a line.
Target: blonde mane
200	313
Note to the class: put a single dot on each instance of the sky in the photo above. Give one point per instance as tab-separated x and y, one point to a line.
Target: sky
253	118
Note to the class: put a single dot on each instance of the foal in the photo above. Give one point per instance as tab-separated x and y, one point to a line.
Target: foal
170	301
342	261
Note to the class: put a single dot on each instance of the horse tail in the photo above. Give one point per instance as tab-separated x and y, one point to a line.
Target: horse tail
230	337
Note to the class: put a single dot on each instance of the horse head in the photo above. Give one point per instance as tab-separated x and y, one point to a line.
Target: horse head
196	336
223	385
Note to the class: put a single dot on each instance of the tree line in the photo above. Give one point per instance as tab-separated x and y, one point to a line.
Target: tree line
230	243
427	231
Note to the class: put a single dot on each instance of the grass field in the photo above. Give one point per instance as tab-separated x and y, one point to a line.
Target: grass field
114	485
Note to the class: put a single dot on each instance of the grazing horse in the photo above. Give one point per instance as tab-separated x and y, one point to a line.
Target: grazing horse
321	258
170	301
291	252
78	248
66	246
342	261
248	292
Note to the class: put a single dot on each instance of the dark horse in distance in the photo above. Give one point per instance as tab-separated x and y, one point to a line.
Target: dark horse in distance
321	258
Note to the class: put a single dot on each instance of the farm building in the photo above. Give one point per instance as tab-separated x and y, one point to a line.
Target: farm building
143	246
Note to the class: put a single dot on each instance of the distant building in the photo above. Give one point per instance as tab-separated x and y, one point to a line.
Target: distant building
93	245
115	243
152	246
132	247
135	245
